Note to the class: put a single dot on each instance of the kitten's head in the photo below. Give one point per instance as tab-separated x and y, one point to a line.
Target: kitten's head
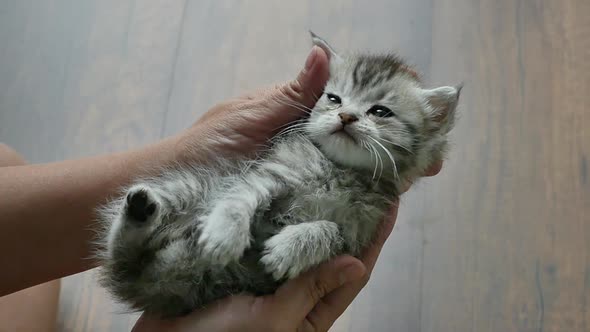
374	112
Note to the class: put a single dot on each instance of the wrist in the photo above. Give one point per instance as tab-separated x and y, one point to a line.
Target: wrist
191	146
158	155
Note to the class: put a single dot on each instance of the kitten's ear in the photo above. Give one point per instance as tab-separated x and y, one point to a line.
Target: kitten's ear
318	41
443	102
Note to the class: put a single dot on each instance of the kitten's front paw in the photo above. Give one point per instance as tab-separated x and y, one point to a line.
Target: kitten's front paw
281	259
225	235
140	204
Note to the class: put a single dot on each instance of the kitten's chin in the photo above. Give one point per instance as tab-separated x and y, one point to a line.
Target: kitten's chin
344	150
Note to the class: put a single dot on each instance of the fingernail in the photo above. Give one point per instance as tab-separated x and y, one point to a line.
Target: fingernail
313	55
350	273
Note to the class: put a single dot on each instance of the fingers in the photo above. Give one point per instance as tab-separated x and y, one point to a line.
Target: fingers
146	323
434	169
370	254
325	313
334	303
405	186
232	313
311	80
309	84
296	298
284	103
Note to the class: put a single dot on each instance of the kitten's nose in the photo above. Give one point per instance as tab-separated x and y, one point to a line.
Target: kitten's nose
346	118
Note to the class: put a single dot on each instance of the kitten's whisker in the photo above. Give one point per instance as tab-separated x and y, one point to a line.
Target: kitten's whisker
297	126
378	156
390	156
298	108
291	130
296	105
396	145
300	105
375	170
378	161
382	165
394	131
290	123
391	130
365	145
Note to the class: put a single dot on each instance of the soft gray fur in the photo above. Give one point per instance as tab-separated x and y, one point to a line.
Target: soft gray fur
195	234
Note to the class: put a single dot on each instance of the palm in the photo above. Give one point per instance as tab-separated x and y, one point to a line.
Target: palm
242	126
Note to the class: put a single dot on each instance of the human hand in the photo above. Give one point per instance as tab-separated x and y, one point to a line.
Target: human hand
243	125
295	306
309	303
239	127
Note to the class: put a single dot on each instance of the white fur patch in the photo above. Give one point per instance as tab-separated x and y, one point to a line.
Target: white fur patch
225	233
296	248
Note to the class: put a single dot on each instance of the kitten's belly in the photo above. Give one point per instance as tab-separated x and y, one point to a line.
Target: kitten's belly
308	204
356	211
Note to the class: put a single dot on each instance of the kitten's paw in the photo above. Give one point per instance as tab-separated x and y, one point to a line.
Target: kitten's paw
225	235
281	259
140	204
297	248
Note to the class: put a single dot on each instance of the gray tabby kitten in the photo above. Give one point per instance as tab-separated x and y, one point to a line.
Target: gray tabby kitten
177	242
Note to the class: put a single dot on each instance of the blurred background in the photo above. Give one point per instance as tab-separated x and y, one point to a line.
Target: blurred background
499	241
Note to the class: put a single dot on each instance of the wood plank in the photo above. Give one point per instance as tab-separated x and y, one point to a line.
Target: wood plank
122	86
508	249
496	242
79	78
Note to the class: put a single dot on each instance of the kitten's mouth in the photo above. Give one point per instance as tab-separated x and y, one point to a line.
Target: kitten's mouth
343	133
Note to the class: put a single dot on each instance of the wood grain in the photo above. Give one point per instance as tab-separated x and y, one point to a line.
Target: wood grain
80	78
507	252
496	242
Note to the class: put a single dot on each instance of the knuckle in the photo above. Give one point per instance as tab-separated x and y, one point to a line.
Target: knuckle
292	90
317	289
315	323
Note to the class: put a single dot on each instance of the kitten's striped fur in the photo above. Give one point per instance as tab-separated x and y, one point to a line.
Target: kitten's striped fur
195	234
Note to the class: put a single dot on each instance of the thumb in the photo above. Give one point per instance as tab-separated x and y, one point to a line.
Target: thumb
296	298
311	80
304	91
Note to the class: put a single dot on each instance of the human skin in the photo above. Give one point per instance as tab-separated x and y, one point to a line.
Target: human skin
48	210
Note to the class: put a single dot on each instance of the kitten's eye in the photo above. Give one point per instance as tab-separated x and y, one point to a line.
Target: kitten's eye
380	111
334	98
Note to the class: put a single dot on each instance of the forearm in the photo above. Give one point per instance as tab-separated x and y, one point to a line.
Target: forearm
48	211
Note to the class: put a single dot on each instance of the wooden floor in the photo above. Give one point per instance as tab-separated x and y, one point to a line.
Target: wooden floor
499	241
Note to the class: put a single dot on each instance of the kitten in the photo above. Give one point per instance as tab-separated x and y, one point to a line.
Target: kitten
196	234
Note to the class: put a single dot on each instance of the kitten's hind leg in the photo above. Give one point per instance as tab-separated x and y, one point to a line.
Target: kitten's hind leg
296	248
132	218
140	204
225	231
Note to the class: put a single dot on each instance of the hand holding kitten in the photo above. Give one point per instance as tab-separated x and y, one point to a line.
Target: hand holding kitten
243	125
247	123
296	305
